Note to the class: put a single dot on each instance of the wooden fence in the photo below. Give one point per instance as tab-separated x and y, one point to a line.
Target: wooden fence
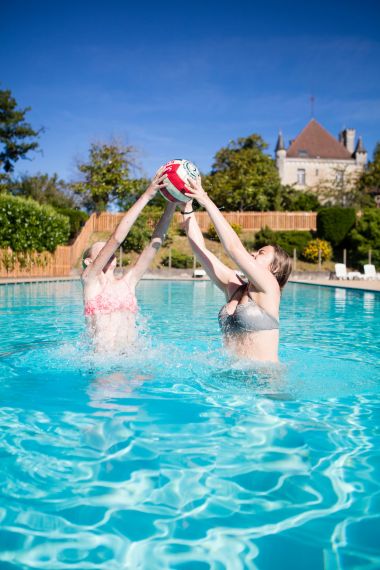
65	258
249	221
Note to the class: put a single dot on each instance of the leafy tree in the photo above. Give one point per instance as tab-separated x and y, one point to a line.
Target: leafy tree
293	200
344	190
369	182
44	189
243	177
136	187
105	176
366	236
17	137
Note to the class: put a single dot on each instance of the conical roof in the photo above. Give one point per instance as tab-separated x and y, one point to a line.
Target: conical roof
315	142
360	146
280	142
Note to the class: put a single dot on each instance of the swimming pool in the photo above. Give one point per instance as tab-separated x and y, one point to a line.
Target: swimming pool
176	457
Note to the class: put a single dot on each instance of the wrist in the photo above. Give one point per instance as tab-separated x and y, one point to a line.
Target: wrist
150	192
205	201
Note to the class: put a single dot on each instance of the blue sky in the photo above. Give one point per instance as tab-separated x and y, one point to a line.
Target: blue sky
182	79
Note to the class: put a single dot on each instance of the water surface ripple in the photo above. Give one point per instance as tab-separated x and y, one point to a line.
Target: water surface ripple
175	456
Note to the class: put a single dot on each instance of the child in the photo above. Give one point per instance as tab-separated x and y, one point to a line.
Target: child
110	304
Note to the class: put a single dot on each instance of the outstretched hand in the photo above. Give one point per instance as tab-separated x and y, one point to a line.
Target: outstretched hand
156	184
195	191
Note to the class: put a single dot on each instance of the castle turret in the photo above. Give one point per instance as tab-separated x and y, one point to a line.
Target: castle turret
280	154
360	152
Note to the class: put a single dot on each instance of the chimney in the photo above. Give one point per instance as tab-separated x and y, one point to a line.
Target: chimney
347	137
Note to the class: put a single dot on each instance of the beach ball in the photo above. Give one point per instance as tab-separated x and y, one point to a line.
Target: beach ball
176	173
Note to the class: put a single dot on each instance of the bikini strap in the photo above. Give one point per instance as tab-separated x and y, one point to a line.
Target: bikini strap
241	287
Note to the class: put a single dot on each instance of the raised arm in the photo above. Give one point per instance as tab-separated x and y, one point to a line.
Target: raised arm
219	273
148	254
263	279
122	229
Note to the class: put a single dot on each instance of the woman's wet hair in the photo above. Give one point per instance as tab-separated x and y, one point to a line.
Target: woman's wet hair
281	266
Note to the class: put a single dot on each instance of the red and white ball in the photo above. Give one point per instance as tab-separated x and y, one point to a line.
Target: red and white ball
176	174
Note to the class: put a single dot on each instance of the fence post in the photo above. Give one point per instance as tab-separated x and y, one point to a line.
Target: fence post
319	259
345	256
121	257
194	263
370	257
170	260
294	259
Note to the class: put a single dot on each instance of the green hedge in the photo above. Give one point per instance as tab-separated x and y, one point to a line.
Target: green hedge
287	240
179	260
366	236
77	219
25	225
334	224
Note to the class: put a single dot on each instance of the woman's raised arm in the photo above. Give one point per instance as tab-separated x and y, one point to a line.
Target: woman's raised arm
219	273
263	279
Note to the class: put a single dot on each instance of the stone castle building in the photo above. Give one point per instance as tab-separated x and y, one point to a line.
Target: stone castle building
315	158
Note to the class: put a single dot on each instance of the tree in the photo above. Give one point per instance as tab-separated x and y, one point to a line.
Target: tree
365	237
105	176
17	137
294	200
44	189
243	177
369	182
344	190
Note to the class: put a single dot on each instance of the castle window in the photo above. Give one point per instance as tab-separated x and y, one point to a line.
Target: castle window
303	153
301	177
339	177
316	172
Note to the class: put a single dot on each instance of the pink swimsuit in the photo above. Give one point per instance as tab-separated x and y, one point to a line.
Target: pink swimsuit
105	303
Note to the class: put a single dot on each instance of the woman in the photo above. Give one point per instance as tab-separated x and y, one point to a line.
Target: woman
110	303
250	318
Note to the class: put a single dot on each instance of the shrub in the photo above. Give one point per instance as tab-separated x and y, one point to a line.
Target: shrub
142	229
366	236
311	251
212	233
287	240
77	219
179	260
26	225
334	224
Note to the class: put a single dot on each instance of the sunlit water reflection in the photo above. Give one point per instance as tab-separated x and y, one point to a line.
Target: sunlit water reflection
174	456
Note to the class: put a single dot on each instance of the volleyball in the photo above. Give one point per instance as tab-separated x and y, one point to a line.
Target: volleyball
176	174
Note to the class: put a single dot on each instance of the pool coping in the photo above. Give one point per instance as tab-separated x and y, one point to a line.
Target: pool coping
372	286
368	286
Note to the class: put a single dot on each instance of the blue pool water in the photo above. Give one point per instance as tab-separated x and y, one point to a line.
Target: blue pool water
177	457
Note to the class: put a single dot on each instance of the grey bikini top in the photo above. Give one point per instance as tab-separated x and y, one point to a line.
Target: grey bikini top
248	317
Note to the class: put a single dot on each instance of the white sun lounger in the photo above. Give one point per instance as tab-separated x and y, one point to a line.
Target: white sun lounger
342	273
198	273
370	272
